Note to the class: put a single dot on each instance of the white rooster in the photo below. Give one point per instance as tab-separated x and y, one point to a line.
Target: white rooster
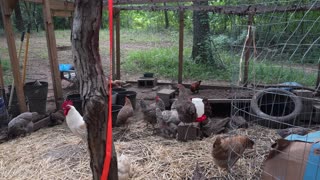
74	120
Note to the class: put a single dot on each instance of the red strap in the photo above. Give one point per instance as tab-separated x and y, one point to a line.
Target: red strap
107	160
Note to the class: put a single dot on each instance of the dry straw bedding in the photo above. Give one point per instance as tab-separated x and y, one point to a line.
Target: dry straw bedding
55	153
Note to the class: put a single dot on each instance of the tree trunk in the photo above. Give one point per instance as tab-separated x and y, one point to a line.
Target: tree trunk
18	17
93	83
201	49
166	18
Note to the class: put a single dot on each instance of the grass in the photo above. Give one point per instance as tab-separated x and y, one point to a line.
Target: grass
163	60
164	63
6	68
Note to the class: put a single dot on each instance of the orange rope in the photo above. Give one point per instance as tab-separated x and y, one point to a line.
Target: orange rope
107	160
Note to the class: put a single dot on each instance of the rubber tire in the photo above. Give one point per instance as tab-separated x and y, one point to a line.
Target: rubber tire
257	111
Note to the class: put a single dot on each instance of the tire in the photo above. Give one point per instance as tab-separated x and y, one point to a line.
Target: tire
276	119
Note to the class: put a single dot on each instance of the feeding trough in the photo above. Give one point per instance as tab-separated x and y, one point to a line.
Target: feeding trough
276	107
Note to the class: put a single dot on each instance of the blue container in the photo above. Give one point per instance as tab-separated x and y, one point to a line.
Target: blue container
65	67
4	119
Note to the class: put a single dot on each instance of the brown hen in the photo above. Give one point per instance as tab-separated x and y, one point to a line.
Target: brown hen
149	112
227	151
125	112
186	109
194	87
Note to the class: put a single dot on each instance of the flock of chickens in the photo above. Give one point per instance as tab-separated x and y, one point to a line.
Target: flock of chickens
225	151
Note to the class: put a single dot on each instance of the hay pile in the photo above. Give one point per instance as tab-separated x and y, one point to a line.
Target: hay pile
54	153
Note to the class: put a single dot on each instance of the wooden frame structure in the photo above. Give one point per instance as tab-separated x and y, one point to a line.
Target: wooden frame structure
65	8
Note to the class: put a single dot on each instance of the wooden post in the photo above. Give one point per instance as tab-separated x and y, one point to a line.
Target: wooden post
318	78
52	52
247	52
6	13
1	79
181	28
118	43
113	51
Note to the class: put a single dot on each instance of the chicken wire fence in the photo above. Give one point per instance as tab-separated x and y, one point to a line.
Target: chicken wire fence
280	93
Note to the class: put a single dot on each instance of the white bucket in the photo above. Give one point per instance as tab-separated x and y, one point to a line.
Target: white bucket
199	106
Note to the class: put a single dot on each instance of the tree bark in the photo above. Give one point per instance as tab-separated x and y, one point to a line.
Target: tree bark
201	49
18	16
93	83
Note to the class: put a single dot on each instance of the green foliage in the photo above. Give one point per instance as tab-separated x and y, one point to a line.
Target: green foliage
164	63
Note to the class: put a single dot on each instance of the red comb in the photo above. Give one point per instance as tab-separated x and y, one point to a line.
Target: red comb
66	103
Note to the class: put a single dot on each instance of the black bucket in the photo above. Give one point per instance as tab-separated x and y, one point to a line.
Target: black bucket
77	102
4	118
130	94
14	109
115	111
37	96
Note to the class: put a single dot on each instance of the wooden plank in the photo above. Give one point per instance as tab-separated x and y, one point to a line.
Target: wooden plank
235	10
247	52
150	1
229	100
240	10
8	6
181	29
52	52
318	78
113	50
34	1
61	5
117	16
1	79
58	13
13	57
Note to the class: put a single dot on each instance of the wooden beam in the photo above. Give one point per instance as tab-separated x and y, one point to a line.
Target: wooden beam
8	6
213	101
13	56
113	49
181	30
235	10
52	52
318	78
247	52
150	1
1	79
61	5
58	13
34	1
117	16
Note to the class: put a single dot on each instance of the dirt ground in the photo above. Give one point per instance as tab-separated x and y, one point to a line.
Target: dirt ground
51	149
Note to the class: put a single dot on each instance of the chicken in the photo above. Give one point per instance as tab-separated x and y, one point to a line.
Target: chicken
186	109
149	112
123	167
118	83
125	112
170	116
227	151
194	87
74	120
22	124
167	128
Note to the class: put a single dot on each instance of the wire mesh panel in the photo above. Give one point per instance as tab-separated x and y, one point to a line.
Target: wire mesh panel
279	55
